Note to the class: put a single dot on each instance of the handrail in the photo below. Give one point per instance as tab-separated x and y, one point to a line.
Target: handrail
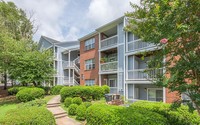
109	62
108	38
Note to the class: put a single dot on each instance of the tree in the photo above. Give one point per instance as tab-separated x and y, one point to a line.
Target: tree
20	58
173	25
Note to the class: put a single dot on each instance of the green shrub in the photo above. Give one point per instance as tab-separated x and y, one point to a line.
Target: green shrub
37	103
15	90
77	100
81	112
102	114
87	93
46	89
56	89
97	92
29	94
178	116
106	89
29	116
68	102
72	109
87	104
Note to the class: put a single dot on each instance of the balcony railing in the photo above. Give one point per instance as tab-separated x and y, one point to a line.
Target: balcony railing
144	74
110	66
67	64
68	81
56	56
139	45
109	42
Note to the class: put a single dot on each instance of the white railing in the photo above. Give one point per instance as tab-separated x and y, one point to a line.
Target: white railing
144	74
110	66
111	41
77	60
68	81
55	56
139	45
67	64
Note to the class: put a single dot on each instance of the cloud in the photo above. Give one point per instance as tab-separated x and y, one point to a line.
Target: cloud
71	19
47	15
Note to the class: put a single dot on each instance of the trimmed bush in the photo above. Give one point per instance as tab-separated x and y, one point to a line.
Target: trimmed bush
68	102
178	116
102	114
87	104
81	112
46	89
29	94
97	92
56	90
15	90
77	100
29	116
106	89
37	103
72	109
87	93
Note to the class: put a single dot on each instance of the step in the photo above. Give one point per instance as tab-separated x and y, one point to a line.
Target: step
60	113
56	105
53	103
60	116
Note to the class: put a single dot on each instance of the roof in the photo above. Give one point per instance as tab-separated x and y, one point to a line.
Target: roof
88	36
53	41
102	28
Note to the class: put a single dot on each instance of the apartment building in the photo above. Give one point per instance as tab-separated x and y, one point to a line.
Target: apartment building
66	60
114	59
89	59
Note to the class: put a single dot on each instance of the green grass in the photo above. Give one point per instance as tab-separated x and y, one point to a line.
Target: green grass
48	97
6	107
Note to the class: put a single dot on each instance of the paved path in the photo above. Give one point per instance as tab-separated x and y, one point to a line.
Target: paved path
60	114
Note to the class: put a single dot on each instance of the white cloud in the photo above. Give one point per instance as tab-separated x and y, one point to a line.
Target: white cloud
103	11
47	16
71	19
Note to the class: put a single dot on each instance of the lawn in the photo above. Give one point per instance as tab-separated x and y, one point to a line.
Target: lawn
9	103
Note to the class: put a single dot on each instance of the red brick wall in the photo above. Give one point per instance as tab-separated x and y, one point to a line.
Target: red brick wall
171	96
89	54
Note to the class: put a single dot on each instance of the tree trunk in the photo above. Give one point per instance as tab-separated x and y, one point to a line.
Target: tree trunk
5	80
34	83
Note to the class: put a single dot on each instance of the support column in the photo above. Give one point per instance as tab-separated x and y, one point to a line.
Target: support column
73	77
69	70
164	94
99	59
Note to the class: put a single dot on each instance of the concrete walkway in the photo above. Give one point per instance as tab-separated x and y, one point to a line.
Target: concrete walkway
60	114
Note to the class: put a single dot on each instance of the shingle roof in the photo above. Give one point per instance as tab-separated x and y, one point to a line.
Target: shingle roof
50	40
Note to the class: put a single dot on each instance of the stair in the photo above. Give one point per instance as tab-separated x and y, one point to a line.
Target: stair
60	115
53	105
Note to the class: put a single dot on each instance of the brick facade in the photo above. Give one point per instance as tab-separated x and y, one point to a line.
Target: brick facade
89	54
171	96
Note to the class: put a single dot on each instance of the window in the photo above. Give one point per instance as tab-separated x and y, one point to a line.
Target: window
112	83
155	94
89	82
89	44
89	64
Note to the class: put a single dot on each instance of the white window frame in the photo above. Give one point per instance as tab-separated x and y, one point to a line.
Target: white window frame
89	44
91	64
90	81
153	89
115	80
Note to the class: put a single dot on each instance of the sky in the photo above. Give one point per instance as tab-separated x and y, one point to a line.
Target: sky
67	20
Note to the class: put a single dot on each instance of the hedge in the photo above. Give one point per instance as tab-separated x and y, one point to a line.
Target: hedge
68	102
28	116
56	90
178	116
101	114
77	100
15	90
87	104
29	94
81	112
72	109
87	93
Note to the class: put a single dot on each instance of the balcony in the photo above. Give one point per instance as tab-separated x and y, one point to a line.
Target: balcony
68	81
56	56
138	45
67	64
109	42
109	66
144	74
